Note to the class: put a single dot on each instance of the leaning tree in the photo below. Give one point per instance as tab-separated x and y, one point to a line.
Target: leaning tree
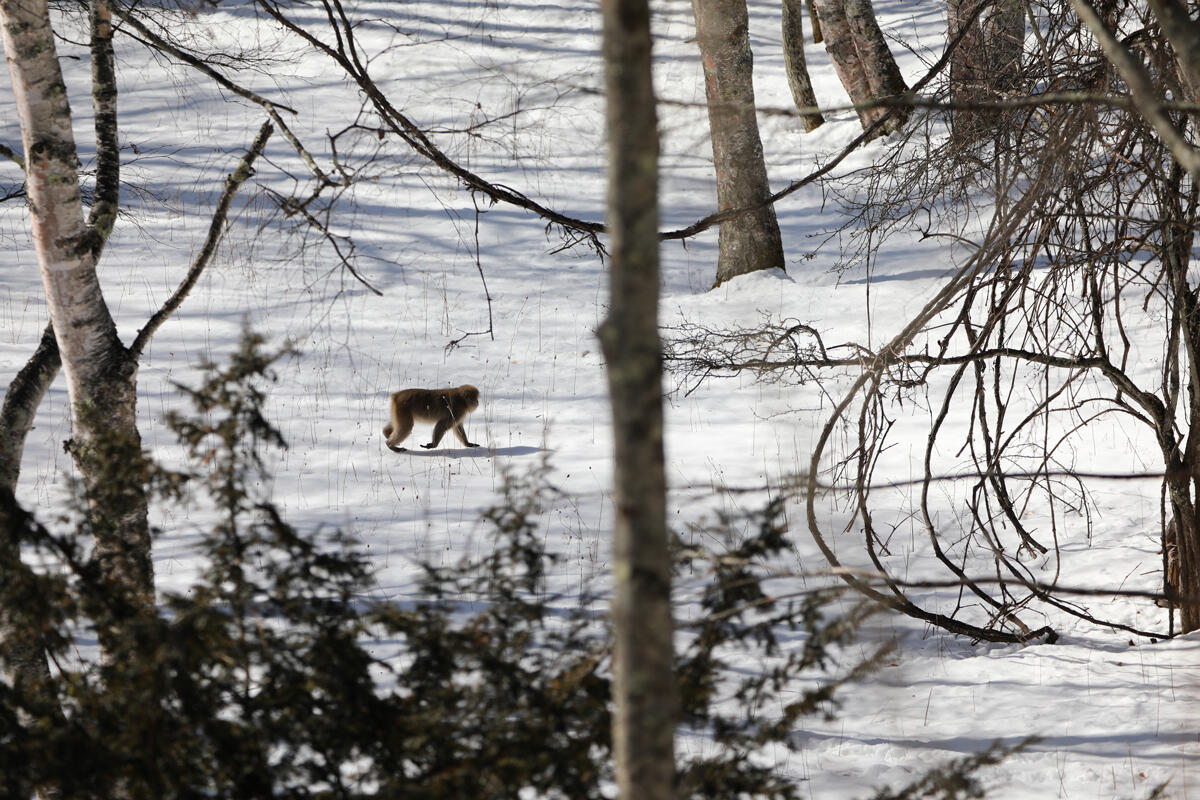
81	339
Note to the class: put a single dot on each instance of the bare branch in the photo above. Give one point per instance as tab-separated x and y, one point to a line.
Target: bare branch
232	183
13	156
157	42
1141	88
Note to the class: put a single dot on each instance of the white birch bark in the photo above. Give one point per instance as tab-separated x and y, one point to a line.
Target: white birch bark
839	43
99	370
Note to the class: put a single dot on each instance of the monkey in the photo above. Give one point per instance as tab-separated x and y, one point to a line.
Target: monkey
445	407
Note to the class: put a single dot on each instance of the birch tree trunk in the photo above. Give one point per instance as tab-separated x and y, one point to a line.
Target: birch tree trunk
27	664
795	66
749	241
862	59
839	43
27	389
100	372
883	75
646	707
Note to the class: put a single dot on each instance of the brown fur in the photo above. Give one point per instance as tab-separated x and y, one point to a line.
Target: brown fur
446	408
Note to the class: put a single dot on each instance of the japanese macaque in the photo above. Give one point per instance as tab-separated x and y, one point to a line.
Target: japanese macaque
446	408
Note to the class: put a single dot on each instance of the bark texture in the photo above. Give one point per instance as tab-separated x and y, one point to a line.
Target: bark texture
816	21
646	706
104	106
27	389
1182	558
749	241
862	59
883	75
1181	546
25	394
100	372
796	67
1183	33
986	63
25	657
25	654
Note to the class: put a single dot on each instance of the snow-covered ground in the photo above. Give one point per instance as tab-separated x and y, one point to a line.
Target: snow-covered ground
1116	716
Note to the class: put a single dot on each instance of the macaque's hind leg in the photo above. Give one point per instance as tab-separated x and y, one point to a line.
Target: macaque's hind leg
396	435
439	431
462	435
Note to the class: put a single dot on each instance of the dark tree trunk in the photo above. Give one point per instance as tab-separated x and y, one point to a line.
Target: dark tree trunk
646	708
985	65
1183	33
815	20
795	66
750	241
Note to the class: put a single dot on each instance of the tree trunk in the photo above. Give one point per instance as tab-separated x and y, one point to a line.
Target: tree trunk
27	389
968	70
646	706
839	43
1005	30
862	59
749	241
795	66
815	20
100	373
987	62
1182	574
27	660
1183	33
883	75
1181	554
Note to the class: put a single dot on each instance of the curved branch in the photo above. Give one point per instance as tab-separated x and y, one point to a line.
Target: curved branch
232	184
21	402
1002	227
12	155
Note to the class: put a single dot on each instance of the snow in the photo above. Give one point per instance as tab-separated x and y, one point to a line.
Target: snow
1116	715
